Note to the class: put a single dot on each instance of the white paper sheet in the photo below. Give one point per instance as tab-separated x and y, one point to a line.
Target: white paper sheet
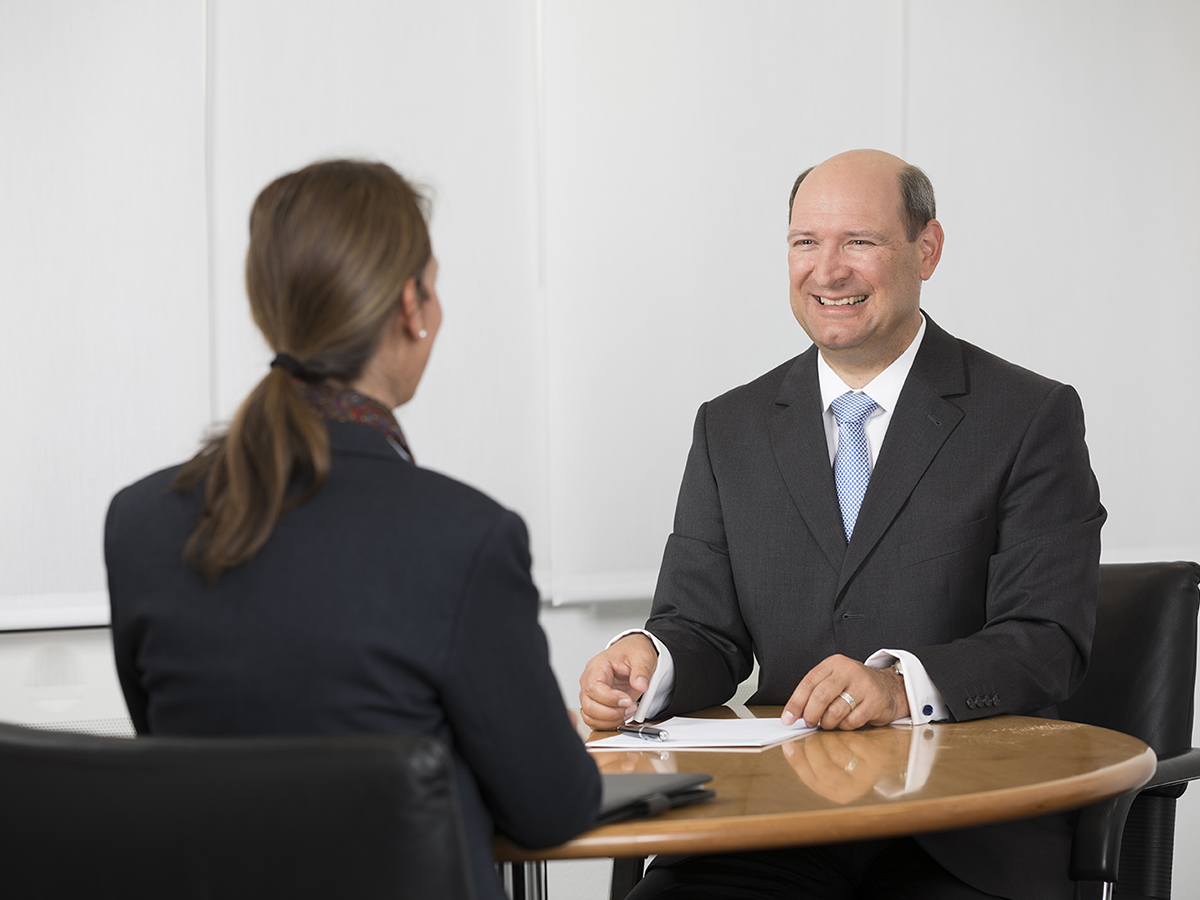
709	734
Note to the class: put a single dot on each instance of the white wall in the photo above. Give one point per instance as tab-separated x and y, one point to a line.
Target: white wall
674	131
446	92
103	280
609	184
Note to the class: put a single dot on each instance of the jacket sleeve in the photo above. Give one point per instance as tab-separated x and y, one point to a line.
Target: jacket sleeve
541	790
1042	578
696	612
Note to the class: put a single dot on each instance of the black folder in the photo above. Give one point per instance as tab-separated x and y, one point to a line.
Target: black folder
629	795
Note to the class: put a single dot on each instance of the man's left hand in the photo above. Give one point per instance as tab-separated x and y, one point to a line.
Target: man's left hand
878	694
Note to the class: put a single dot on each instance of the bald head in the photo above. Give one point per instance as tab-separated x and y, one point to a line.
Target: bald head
874	167
855	263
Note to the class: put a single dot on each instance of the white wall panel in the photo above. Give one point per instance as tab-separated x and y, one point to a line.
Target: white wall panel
103	284
446	94
674	131
1063	138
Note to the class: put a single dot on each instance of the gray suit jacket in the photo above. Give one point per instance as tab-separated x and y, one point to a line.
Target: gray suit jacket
976	548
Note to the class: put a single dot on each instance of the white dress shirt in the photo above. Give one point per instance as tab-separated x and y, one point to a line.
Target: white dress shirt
924	700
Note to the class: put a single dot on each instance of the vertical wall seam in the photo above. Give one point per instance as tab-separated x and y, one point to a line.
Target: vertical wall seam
209	210
539	51
539	43
905	82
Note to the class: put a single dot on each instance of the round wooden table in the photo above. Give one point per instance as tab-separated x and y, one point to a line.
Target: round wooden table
837	786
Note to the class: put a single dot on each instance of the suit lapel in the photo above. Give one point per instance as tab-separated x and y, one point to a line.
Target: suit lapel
802	454
921	423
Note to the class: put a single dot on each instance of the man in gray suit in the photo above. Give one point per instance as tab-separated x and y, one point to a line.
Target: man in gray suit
896	524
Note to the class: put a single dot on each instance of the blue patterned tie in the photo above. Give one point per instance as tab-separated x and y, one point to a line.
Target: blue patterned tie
852	464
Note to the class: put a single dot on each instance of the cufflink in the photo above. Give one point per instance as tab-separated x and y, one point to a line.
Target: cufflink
927	710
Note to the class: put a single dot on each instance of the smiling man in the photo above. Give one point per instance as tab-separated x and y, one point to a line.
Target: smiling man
856	259
895	524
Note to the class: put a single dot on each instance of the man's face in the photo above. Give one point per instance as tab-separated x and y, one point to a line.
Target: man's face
855	277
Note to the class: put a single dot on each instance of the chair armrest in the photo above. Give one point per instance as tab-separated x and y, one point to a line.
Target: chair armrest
1096	841
1176	769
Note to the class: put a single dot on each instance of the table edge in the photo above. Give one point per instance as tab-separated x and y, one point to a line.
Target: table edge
718	834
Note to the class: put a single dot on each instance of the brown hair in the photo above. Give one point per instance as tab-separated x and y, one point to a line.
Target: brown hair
331	248
917	204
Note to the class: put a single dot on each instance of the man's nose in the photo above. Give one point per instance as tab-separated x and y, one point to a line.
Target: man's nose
831	266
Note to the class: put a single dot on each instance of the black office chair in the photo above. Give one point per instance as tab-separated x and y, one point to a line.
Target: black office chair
360	816
1141	681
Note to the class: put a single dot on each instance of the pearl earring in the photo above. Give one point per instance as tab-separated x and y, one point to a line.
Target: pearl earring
422	334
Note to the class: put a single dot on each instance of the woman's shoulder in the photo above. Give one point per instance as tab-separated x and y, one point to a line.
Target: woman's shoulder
366	465
148	491
154	483
148	515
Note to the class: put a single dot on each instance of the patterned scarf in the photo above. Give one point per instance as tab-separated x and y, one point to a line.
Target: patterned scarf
340	405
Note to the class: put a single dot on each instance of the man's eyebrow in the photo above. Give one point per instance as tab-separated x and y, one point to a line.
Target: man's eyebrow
856	234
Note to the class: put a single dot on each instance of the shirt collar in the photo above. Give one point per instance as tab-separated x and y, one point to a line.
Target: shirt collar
884	388
345	405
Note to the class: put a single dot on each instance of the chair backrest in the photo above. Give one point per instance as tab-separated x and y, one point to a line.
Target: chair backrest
1143	666
359	816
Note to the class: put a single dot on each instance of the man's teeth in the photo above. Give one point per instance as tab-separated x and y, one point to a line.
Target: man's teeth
844	301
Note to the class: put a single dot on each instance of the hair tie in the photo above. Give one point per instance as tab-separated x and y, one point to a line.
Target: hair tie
289	363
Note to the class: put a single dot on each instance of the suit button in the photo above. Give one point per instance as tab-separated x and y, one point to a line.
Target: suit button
996	699
970	703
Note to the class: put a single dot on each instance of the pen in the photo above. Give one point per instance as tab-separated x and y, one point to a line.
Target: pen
649	732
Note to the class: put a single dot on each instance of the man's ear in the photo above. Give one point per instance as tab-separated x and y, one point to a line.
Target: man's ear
930	242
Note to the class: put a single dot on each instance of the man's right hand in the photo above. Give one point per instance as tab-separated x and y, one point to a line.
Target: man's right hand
614	681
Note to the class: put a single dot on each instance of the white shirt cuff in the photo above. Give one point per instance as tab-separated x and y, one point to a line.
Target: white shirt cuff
925	702
662	682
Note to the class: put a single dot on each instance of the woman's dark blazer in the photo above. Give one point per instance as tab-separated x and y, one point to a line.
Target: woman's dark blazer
394	600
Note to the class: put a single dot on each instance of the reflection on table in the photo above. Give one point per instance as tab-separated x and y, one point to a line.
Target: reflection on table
875	782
